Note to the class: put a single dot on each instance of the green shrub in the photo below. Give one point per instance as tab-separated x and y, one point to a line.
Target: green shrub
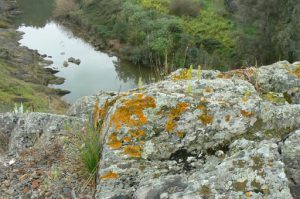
185	8
65	7
3	24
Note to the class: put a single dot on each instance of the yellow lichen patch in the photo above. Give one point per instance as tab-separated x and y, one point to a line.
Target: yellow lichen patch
137	134
131	113
248	194
127	139
183	75
206	118
133	151
201	107
270	162
227	118
208	89
245	99
246	113
203	100
175	114
181	134
296	71
114	142
109	176
224	75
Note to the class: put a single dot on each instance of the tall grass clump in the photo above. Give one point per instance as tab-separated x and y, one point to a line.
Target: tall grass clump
90	148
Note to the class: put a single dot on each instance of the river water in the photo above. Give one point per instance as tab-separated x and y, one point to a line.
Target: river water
97	70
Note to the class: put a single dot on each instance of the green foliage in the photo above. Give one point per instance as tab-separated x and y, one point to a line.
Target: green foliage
3	24
154	37
185	8
189	88
269	30
14	90
211	27
140	84
159	5
199	72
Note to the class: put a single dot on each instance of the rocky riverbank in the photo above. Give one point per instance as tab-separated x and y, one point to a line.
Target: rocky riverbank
197	134
24	77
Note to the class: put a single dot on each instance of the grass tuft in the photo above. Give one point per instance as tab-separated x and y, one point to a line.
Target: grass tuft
89	148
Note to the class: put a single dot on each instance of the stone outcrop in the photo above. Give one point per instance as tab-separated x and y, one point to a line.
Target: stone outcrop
214	135
25	130
197	134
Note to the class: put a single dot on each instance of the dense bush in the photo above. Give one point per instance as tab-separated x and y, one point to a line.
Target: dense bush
155	38
184	8
63	7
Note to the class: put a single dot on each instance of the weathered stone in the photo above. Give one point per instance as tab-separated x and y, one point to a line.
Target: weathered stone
24	130
74	61
291	157
281	77
85	105
182	137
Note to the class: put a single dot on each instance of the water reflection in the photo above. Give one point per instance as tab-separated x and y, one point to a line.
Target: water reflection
126	72
97	71
35	13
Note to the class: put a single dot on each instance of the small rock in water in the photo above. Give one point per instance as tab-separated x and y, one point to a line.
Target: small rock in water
74	61
65	64
62	53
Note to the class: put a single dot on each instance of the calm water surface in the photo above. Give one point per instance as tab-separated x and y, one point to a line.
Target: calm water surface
97	71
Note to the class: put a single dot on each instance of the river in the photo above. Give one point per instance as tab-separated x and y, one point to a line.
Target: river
97	70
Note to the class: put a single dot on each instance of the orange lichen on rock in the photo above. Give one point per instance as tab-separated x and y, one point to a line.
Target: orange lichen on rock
96	113
181	134
246	113
133	151
248	194
175	114
114	142
227	118
208	89
201	107
206	118
127	139
203	100
137	134
104	109
109	176
296	71
223	76
131	113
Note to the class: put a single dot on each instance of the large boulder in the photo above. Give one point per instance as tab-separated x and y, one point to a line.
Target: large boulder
25	130
198	135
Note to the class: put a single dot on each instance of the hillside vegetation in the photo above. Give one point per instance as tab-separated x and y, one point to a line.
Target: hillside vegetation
221	34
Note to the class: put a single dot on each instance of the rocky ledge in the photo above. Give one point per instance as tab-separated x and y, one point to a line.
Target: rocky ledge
197	134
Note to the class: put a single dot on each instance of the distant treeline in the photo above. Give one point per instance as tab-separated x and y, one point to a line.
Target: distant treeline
221	34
